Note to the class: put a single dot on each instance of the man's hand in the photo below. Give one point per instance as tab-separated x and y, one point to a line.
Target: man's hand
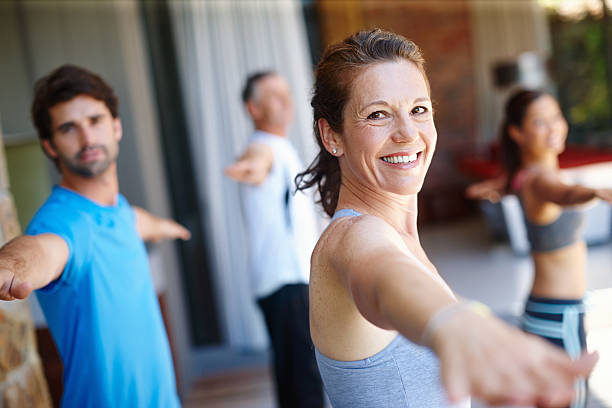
12	288
170	229
254	165
30	262
153	229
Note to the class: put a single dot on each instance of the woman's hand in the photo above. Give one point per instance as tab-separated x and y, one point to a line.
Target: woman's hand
491	190
483	357
604	194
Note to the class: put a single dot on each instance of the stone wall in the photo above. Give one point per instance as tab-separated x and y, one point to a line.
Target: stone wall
22	383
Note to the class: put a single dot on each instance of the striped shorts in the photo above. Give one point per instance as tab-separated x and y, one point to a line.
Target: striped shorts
562	323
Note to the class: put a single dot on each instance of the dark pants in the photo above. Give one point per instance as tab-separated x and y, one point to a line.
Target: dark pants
298	383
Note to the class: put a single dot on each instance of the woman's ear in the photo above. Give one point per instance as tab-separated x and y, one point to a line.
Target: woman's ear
516	134
331	139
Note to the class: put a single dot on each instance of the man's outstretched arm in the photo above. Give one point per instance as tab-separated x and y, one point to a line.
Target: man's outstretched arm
253	166
153	228
30	262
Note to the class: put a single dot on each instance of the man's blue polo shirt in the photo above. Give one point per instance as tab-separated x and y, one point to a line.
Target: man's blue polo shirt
102	311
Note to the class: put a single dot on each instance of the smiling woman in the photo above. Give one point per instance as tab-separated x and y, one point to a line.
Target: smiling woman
533	135
388	330
389	119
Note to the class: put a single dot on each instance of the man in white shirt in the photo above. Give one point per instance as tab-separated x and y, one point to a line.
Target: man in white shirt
282	232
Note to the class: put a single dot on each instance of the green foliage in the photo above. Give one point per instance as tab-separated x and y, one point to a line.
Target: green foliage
580	69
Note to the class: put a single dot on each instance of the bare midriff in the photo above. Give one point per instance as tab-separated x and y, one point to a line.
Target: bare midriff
560	274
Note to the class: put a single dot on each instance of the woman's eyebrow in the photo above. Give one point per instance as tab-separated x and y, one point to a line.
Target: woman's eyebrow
381	102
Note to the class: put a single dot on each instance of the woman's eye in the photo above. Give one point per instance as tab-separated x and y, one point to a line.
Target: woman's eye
377	115
419	110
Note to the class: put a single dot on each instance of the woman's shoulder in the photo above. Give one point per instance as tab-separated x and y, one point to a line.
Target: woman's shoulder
358	226
528	178
345	235
522	179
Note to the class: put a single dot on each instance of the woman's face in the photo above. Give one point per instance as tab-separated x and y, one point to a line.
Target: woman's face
544	129
388	136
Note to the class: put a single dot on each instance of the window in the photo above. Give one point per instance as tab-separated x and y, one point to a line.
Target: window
581	65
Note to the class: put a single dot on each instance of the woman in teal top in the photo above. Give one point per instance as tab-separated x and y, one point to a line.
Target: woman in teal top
381	315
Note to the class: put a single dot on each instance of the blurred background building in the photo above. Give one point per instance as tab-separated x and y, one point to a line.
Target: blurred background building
178	68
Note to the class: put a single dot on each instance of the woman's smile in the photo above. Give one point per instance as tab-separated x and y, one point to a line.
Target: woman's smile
403	160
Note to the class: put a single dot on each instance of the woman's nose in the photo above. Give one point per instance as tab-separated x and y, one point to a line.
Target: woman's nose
405	132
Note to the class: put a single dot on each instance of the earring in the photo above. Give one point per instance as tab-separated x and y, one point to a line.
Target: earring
334	150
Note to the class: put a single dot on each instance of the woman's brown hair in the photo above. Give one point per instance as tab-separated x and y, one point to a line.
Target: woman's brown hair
514	115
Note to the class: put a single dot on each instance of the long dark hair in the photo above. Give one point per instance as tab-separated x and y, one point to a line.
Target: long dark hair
515	112
334	77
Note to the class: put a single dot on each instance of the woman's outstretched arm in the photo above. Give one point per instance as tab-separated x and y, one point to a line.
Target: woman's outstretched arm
479	354
549	187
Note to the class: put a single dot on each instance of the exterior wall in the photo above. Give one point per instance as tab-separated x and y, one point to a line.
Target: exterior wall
22	383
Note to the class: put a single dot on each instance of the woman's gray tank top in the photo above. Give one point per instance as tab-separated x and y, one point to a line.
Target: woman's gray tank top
403	374
562	232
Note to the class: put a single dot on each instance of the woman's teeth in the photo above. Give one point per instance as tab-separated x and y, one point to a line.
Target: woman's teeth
400	159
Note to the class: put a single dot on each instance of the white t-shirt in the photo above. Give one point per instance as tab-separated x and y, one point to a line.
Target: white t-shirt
281	224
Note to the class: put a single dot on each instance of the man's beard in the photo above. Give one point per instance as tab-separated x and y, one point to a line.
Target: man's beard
91	169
